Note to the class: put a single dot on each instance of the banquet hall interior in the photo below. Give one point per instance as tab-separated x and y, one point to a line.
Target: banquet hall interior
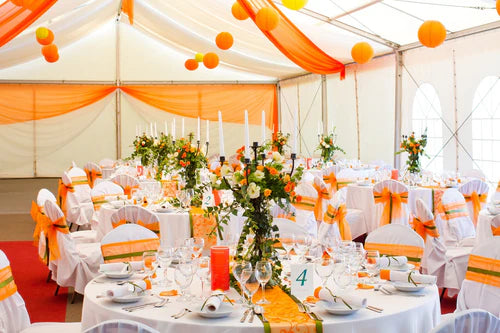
250	166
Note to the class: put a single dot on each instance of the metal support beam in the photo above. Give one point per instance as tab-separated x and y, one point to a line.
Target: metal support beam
354	10
324	105
278	93
455	110
397	107
118	113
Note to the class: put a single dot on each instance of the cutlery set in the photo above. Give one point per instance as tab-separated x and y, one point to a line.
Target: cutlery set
181	313
159	304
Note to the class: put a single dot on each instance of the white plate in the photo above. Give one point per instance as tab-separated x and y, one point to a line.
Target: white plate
117	274
402	268
128	298
339	309
406	286
165	210
225	309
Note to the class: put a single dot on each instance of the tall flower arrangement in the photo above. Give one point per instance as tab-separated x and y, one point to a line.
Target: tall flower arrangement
279	142
415	148
143	149
328	146
255	187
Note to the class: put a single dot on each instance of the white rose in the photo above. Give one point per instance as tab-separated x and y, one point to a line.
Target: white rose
327	146
213	179
176	154
259	175
225	170
277	157
253	191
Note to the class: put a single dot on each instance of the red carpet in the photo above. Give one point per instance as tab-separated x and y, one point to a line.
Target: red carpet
30	276
448	304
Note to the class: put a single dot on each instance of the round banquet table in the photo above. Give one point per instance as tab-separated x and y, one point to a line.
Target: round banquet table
483	231
402	313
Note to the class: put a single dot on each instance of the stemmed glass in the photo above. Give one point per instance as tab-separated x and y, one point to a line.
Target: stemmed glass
241	272
371	262
196	245
203	272
331	245
341	274
324	269
263	272
251	286
302	244
183	280
189	194
150	263
288	243
165	257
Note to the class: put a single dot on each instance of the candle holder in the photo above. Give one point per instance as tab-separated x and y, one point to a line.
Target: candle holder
255	147
247	164
222	159
263	157
206	152
293	156
173	142
198	145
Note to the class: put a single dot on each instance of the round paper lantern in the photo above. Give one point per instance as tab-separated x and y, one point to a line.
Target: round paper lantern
239	12
267	18
191	64
498	7
48	39
211	60
224	40
294	4
52	59
362	52
49	51
431	33
42	33
198	57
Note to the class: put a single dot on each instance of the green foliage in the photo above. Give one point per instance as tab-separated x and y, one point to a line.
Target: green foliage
415	149
327	146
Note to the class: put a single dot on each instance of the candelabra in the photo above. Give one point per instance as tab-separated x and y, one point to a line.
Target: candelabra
293	156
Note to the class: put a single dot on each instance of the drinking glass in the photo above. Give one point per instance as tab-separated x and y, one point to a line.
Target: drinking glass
263	272
150	263
203	272
302	244
371	263
188	196
241	276
324	269
251	286
196	244
183	281
331	245
184	253
342	274
288	243
165	256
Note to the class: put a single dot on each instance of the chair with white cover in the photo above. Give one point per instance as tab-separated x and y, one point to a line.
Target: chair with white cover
120	326
38	215
391	202
334	223
355	217
475	193
136	215
474	173
345	177
397	240
481	286
454	222
330	178
287	228
127	182
469	321
128	242
94	172
78	205
105	191
14	317
324	195
304	214
72	265
107	166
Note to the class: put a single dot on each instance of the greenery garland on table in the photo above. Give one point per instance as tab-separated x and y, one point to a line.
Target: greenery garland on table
415	148
328	147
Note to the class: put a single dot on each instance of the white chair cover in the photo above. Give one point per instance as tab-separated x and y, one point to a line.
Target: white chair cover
78	264
79	207
43	195
108	167
481	289
354	217
455	224
127	232
287	227
13	314
104	190
330	230
125	181
121	326
475	185
54	328
305	218
329	172
134	214
93	167
469	321
474	173
394	187
118	245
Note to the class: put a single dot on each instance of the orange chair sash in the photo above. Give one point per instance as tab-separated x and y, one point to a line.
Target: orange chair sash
454	210
337	215
129	250
62	193
343	182
203	227
92	175
331	180
56	226
476	200
119	223
128	189
306	203
318	206
42	222
392	204
483	270
7	285
287	216
495	231
413	253
424	228
153	226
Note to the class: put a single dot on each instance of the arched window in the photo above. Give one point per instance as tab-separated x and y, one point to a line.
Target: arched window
486	128
427	115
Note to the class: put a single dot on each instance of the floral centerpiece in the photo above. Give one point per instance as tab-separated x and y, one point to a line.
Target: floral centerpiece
328	147
143	149
415	148
256	186
279	142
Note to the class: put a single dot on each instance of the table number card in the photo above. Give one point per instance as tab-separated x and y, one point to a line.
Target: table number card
302	278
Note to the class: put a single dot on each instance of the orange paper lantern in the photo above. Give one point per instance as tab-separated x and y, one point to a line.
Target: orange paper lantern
431	33
49	51
191	64
267	18
52	59
498	7
47	40
239	12
362	52
211	60
224	40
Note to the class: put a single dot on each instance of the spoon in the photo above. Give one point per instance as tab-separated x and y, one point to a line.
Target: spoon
258	309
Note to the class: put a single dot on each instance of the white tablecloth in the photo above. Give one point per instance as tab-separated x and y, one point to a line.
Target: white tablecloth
483	229
401	314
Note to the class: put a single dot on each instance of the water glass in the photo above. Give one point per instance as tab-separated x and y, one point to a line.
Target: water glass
165	257
324	269
263	273
342	274
288	243
150	262
203	272
183	281
371	263
242	271
251	285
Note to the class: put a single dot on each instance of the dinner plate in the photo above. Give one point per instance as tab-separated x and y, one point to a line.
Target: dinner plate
224	310
128	298
407	286
401	268
339	309
117	274
165	210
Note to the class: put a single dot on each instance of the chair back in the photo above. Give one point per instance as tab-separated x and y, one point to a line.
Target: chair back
468	321
474	173
397	240
481	287
423	221
121	326
128	242
324	198
391	202
330	178
105	191
44	195
456	223
475	193
38	215
78	206
127	182
136	215
305	207
287	228
93	172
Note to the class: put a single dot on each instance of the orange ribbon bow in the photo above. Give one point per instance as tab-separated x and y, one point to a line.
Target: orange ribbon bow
332	181
62	193
7	285
128	189
392	204
424	228
323	194
92	175
476	200
495	231
56	226
337	215
42	222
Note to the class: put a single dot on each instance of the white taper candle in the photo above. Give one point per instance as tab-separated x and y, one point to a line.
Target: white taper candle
198	131
221	137
263	129
247	137
208	130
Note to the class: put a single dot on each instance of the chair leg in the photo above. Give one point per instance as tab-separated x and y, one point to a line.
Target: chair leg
49	276
57	290
73	297
442	294
78	228
70	225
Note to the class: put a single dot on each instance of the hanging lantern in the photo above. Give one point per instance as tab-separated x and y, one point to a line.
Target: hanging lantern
267	18
498	7
191	64
211	60
53	58
224	40
294	4
198	57
239	12
362	52
50	51
431	33
44	36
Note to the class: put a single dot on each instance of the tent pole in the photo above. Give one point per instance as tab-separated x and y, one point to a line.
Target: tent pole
118	116
455	109
278	101
397	106
357	111
324	105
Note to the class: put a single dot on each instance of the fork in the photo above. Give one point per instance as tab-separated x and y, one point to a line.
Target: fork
302	309
181	313
310	312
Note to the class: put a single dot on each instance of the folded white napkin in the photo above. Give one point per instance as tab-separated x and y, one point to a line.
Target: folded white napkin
128	289
352	300
391	261
213	303
121	266
403	277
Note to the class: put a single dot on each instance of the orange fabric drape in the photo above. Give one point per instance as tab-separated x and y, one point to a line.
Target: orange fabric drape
337	215
26	102
293	43
206	100
56	226
62	193
14	19
128	8
424	228
476	200
392	204
92	175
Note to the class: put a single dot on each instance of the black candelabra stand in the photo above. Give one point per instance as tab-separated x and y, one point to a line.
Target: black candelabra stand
293	156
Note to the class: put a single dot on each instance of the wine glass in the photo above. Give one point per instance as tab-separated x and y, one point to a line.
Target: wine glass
181	195
371	262
251	285
203	272
342	274
331	245
263	272
165	256
324	269
239	269
302	244
188	196
183	281
288	243
150	263
196	245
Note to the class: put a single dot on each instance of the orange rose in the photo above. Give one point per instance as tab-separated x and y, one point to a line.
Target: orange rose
243	182
260	167
183	155
286	179
267	192
273	171
288	187
188	162
298	198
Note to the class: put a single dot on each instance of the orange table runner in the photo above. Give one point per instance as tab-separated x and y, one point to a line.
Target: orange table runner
202	226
